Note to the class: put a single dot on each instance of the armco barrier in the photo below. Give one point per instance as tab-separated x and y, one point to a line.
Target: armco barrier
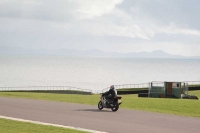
193	88
131	92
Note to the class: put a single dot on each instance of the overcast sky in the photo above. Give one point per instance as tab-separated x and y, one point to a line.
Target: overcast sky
108	25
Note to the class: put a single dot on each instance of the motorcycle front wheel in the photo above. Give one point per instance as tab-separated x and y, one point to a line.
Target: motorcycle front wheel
100	105
115	107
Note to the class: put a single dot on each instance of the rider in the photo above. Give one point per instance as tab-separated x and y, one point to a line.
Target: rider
111	93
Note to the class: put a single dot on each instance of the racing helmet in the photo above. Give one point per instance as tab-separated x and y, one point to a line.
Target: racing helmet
112	87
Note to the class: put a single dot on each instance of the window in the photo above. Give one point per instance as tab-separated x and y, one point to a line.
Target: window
175	85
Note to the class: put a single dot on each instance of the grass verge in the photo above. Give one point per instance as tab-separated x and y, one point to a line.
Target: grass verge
11	126
183	107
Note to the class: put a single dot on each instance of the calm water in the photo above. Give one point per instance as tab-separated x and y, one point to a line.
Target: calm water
93	73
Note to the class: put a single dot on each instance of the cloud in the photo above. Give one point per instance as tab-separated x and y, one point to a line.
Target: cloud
117	23
132	31
87	9
120	23
169	17
174	29
36	9
102	16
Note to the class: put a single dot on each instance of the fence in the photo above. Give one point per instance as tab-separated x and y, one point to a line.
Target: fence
147	85
62	88
128	86
193	83
43	88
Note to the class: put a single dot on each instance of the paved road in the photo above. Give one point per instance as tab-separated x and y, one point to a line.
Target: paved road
89	117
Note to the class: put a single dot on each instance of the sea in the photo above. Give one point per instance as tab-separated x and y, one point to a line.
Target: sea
94	73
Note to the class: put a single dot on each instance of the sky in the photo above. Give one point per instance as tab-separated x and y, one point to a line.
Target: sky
121	26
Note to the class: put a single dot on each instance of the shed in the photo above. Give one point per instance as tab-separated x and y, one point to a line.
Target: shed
167	89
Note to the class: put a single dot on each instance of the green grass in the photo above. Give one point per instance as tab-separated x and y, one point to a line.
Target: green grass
72	98
11	126
197	93
183	107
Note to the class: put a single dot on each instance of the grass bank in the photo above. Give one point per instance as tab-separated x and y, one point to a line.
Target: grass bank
183	107
11	126
72	98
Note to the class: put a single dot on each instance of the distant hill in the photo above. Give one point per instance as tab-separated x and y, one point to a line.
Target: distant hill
158	53
88	53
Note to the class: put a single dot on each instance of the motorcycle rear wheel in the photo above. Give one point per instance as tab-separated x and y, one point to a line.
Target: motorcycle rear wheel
115	107
100	105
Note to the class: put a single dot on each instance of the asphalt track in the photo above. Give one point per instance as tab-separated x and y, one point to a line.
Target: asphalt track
89	117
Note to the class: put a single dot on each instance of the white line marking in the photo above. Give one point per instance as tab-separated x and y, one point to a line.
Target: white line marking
50	124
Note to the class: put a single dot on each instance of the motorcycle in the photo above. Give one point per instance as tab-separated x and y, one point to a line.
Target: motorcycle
106	103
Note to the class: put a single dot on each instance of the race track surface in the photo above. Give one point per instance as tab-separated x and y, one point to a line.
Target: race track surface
89	117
